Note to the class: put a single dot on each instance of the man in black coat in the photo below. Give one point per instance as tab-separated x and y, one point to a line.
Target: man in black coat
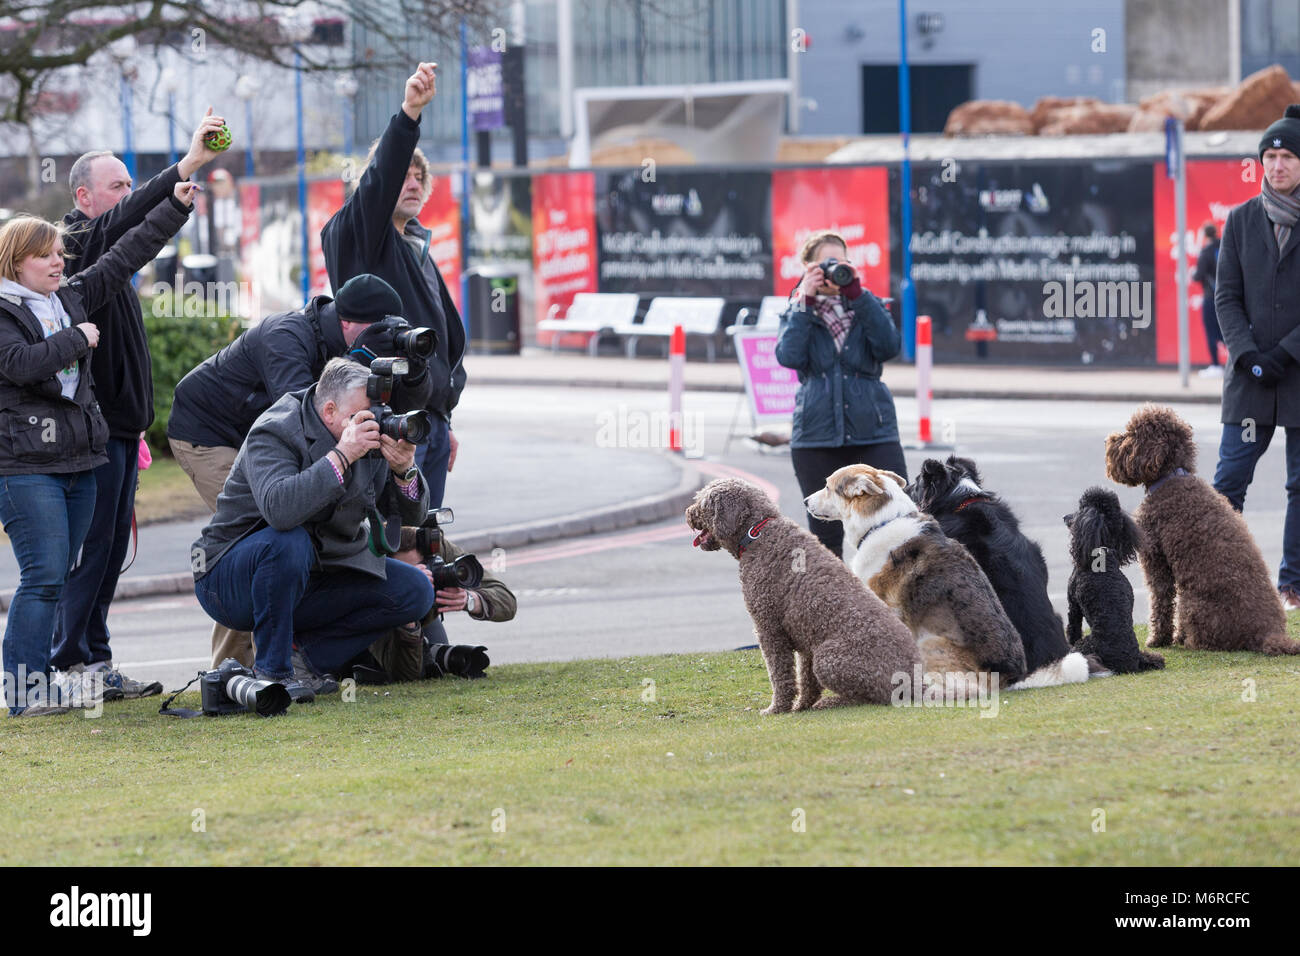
1257	299
217	403
377	231
106	209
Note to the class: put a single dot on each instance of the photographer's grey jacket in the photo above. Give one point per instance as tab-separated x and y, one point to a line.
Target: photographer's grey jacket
841	399
41	432
282	478
1258	304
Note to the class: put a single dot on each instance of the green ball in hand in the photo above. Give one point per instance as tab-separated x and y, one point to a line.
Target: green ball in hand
219	139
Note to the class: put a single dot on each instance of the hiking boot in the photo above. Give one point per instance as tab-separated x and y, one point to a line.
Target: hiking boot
1290	599
304	674
117	685
299	692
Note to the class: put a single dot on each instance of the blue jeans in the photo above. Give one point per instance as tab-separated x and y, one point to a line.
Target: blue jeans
81	621
1234	473
432	457
269	584
46	517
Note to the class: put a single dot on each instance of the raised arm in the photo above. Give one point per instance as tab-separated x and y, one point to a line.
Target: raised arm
113	270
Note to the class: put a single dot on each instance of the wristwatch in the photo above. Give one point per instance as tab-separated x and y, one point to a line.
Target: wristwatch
471	603
410	473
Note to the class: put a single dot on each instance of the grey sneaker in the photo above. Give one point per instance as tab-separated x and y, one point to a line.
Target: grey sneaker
117	685
302	672
43	709
82	689
1290	599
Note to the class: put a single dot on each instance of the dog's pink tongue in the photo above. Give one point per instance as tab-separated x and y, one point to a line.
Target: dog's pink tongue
698	538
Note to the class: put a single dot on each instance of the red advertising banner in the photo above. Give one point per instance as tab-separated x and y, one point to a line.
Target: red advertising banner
324	199
250	235
441	216
564	242
1214	186
853	202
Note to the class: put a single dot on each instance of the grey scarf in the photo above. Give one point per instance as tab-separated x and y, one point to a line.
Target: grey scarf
1282	210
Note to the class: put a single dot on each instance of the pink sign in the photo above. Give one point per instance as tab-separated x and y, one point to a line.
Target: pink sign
771	387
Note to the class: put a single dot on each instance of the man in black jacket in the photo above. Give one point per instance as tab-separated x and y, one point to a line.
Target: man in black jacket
377	231
217	403
105	210
1257	299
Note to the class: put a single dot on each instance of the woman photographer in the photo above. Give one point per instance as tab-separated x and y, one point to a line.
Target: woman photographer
836	337
52	433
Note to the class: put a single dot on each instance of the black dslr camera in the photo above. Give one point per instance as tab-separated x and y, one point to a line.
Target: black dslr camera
836	272
412	427
465	571
393	335
232	689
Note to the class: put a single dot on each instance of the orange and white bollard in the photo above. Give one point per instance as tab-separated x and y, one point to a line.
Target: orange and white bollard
924	361
676	383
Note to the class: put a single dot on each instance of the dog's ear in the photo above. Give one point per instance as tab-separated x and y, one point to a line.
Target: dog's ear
902	482
854	485
1128	537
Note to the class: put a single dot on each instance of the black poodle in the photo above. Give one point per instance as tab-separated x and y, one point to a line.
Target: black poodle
1103	538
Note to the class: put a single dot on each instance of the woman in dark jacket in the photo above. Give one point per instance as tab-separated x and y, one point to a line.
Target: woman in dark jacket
836	338
52	433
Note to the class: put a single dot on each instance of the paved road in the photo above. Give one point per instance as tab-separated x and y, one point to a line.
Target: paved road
647	590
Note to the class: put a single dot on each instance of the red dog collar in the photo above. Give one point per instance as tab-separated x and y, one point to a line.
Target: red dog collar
970	501
753	533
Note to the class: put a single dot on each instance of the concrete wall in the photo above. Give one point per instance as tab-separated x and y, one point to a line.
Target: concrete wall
1021	50
1177	44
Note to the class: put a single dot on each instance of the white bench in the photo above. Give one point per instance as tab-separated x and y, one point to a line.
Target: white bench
768	315
595	313
697	316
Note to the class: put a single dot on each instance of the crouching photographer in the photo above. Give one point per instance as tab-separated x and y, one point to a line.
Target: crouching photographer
291	553
460	584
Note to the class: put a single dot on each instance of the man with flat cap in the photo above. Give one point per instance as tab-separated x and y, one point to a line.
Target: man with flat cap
216	404
1257	298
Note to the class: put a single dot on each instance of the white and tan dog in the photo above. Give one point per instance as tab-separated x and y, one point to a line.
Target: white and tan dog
930	580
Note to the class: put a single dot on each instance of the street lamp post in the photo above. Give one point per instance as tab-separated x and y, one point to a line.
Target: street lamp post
346	87
123	52
168	82
297	28
246	88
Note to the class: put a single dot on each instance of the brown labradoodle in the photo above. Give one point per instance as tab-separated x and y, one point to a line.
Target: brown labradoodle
1196	550
804	603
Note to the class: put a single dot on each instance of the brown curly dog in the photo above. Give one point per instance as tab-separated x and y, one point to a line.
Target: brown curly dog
1196	549
805	604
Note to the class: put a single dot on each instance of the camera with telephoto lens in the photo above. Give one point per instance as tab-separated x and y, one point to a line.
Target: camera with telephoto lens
465	571
232	689
836	272
411	427
393	335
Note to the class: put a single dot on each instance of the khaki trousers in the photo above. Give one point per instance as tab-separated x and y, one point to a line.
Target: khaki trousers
208	468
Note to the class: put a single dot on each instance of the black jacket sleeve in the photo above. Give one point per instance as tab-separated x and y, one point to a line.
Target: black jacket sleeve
25	363
106	228
361	222
1230	292
111	271
287	356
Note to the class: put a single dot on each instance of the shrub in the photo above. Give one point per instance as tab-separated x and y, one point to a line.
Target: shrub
180	337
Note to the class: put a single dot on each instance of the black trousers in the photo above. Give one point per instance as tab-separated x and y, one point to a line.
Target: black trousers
812	466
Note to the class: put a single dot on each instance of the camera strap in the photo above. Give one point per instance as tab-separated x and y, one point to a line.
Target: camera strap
167	710
382	540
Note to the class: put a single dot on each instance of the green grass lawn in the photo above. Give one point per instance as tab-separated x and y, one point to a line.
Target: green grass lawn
581	769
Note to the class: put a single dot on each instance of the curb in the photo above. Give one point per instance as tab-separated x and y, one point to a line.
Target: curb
903	391
646	510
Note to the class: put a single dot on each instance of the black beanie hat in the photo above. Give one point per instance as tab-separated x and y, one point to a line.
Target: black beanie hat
1284	134
366	298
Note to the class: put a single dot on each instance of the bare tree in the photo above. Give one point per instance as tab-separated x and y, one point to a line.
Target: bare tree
38	38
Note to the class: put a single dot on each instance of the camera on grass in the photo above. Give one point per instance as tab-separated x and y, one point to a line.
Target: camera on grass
837	272
232	689
411	427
